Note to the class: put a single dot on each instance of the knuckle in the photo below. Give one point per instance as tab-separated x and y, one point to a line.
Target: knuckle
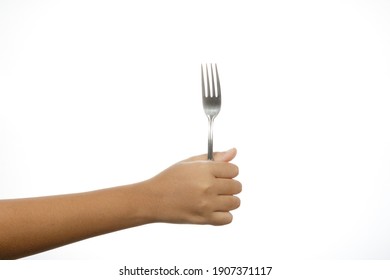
208	187
203	166
203	207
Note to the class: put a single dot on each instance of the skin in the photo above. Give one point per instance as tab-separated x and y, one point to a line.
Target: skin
193	191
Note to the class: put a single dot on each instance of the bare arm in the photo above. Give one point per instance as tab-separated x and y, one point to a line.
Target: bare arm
192	191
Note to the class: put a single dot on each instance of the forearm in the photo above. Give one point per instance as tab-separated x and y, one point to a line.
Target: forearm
33	225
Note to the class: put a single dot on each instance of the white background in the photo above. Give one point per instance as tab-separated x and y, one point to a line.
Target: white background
96	94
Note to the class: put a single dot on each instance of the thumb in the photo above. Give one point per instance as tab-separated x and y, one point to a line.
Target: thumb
225	156
218	156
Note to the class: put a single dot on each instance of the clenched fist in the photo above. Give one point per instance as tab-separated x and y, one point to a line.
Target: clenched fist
196	191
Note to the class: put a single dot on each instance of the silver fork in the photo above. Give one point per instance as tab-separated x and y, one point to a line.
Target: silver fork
211	102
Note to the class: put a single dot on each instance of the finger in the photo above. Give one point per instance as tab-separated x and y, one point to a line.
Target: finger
226	203
224	170
226	156
221	218
228	187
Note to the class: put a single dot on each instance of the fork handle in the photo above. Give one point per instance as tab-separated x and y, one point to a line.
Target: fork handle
210	155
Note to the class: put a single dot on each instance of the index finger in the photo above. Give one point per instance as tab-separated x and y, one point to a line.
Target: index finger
224	170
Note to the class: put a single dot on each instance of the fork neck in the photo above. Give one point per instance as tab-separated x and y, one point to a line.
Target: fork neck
210	138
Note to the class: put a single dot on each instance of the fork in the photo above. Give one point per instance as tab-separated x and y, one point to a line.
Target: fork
211	102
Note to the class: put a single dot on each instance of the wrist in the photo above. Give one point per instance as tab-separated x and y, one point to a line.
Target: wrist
142	204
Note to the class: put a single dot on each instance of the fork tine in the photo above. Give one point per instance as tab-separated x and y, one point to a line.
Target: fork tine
218	84
212	80
208	83
203	90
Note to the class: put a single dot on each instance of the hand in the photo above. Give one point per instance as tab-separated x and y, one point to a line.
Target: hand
196	191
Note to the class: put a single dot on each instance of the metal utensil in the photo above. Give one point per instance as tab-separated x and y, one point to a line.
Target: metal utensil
211	101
